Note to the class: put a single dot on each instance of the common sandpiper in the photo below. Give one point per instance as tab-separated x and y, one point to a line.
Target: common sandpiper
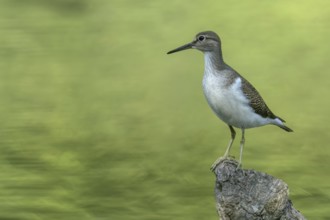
231	97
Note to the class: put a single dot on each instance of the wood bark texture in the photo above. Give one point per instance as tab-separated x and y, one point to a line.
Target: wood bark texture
248	194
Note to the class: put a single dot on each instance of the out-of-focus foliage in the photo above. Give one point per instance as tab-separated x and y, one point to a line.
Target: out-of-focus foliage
97	122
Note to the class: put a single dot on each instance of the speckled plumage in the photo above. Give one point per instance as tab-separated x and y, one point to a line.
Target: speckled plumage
256	102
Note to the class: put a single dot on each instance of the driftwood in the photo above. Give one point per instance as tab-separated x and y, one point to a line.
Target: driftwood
248	194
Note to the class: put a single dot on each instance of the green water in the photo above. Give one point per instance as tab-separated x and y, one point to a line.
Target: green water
97	122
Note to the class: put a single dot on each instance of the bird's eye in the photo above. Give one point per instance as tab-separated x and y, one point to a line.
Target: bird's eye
201	38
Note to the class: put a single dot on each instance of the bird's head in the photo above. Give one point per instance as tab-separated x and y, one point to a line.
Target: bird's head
206	41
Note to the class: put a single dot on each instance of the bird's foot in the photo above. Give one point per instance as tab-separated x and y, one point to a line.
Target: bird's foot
220	159
216	162
239	166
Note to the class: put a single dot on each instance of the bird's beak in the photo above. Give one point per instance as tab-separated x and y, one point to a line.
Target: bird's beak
184	47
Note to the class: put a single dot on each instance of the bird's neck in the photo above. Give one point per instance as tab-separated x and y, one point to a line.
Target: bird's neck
213	61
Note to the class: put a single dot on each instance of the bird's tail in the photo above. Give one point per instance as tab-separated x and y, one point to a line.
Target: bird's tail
279	122
286	128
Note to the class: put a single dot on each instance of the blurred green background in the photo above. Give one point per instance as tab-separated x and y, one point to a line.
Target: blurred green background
97	122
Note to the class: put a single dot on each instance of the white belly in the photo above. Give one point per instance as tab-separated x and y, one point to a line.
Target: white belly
229	103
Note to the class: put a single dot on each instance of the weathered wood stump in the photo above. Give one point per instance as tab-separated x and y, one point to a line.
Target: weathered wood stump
248	194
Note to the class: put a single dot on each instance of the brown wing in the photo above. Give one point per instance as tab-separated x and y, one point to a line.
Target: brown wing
257	103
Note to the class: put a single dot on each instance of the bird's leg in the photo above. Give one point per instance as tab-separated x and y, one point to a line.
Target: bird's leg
233	134
241	150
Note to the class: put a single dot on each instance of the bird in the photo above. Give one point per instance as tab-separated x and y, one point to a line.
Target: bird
231	97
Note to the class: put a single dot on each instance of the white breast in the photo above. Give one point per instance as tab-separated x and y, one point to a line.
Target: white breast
228	101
